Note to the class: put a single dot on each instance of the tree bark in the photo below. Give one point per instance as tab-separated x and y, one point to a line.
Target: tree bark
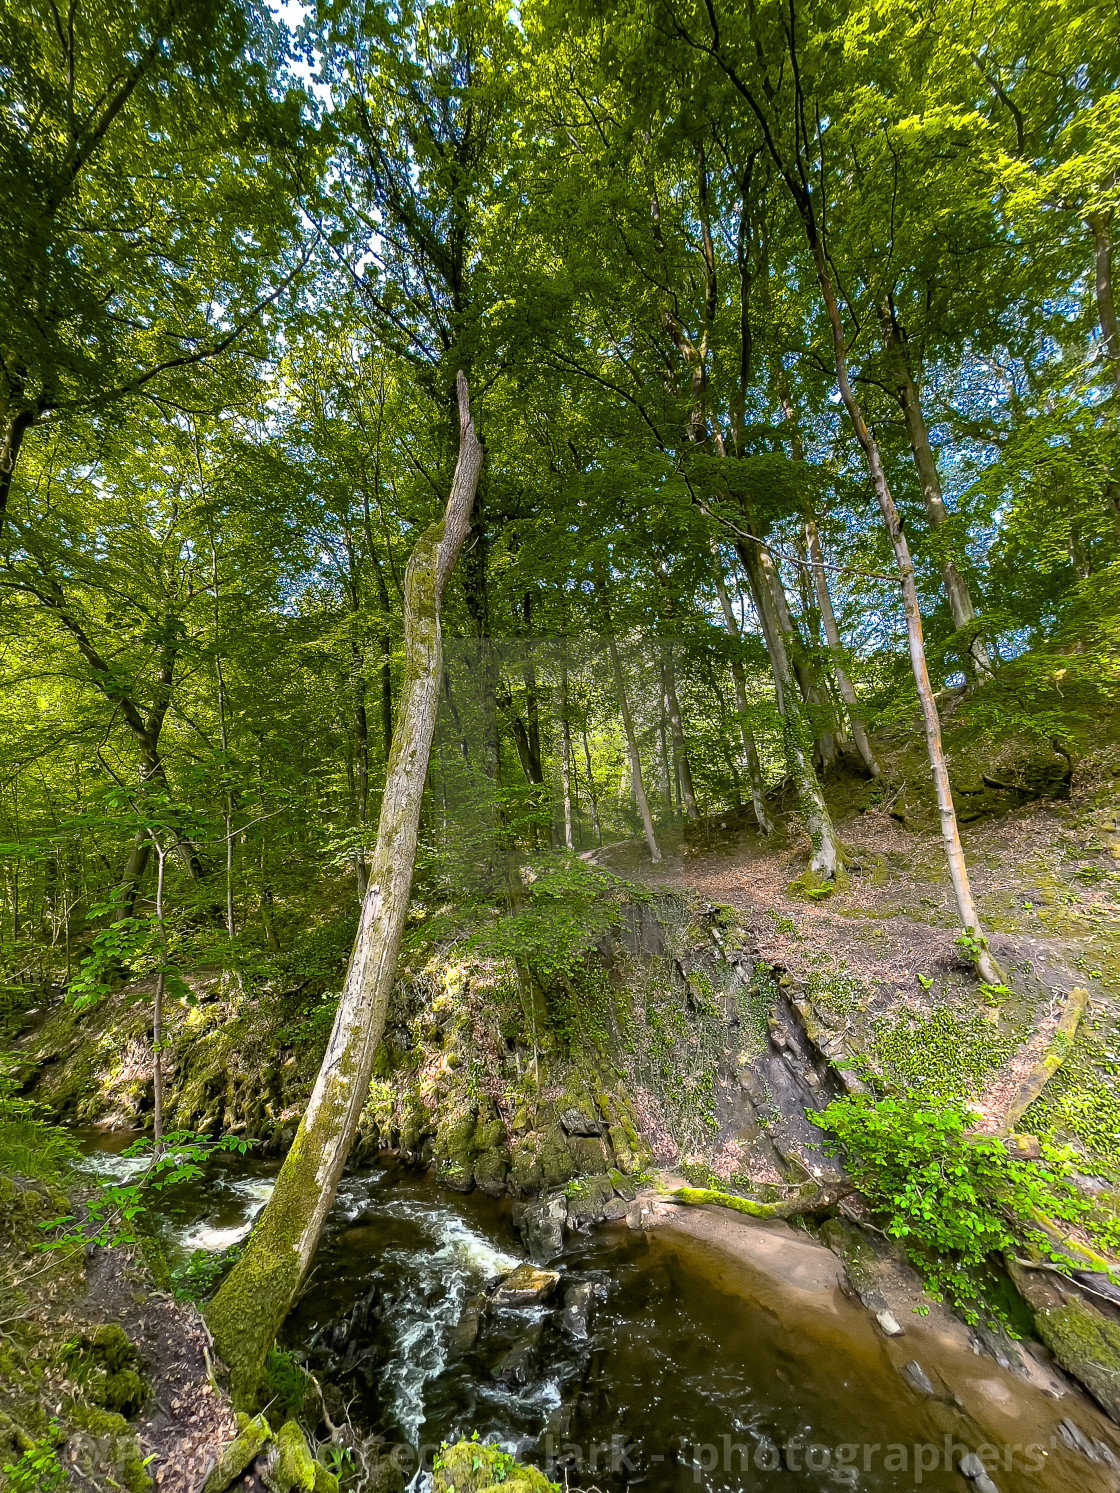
956	587
1101	230
826	857
591	794
636	783
565	746
958	871
254	1300
750	748
832	638
681	763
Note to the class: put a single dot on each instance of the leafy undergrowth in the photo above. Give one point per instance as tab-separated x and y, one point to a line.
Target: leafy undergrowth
960	1202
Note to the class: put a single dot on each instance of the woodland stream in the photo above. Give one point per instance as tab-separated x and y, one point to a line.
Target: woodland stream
675	1352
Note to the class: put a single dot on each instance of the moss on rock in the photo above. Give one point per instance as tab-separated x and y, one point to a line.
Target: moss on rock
1087	1344
293	1467
476	1467
254	1434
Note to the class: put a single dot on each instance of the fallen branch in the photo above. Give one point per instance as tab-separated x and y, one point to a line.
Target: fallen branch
810	1200
1052	1059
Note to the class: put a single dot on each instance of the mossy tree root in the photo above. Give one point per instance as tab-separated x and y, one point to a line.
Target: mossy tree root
812	1199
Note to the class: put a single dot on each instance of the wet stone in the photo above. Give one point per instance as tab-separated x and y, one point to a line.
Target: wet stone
577	1304
464	1334
977	1474
518	1366
917	1377
542	1226
525	1286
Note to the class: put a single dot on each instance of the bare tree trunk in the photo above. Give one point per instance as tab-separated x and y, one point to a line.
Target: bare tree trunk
565	747
832	637
663	743
824	743
956	587
223	730
681	764
750	749
826	858
958	871
636	784
157	1005
1101	230
591	789
257	1295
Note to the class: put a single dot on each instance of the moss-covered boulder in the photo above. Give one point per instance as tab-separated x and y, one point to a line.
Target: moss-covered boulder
1084	1340
590	1199
292	1467
1087	1343
475	1467
490	1172
103	1362
252	1437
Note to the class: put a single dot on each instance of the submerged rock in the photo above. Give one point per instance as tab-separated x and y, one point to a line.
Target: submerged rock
577	1305
519	1365
977	1474
917	1377
525	1286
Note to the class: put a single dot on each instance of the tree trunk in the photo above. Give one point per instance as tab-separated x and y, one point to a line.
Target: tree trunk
157	1006
750	749
663	742
254	1300
592	797
680	752
958	871
824	743
1100	228
956	587
826	857
566	776
832	638
636	784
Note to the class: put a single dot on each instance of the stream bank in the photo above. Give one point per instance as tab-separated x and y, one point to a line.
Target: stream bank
643	1027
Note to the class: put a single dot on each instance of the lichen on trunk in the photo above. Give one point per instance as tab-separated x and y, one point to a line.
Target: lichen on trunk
250	1307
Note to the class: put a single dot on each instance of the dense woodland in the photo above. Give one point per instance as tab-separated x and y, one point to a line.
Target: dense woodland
737	387
787	329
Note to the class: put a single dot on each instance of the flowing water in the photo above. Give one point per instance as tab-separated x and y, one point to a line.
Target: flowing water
693	1373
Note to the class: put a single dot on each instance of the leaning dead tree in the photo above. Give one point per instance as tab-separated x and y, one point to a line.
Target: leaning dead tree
257	1295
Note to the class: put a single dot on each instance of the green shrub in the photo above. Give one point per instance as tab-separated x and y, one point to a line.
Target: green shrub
957	1201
